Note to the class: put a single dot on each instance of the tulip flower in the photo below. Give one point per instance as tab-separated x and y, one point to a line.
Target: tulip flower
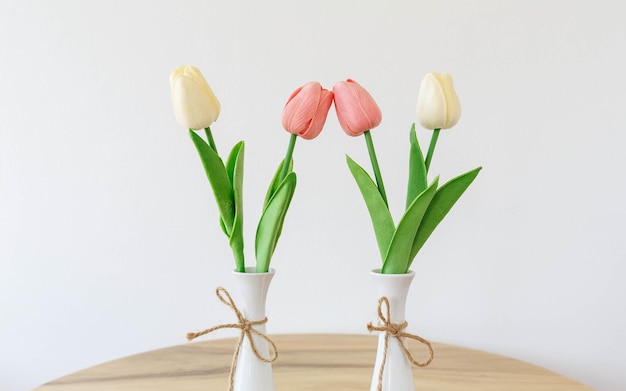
438	107
195	104
356	109
357	113
306	110
304	115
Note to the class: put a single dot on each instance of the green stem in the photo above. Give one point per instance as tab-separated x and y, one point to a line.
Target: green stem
286	163
209	137
240	263
377	175
431	148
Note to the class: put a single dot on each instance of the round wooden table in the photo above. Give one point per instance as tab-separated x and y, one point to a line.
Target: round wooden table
310	362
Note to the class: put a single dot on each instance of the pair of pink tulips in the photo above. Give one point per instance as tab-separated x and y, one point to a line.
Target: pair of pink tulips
307	108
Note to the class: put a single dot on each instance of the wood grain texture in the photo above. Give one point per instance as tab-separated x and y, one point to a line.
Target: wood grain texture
310	362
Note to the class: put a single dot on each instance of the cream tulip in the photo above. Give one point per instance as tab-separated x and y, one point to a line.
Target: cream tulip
438	106
195	104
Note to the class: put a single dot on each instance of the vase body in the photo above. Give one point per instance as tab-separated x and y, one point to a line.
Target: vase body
252	374
398	374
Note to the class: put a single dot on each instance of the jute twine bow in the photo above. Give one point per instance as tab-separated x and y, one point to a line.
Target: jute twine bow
395	330
246	331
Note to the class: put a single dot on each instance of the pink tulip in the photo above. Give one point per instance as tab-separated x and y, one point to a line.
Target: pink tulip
306	110
356	109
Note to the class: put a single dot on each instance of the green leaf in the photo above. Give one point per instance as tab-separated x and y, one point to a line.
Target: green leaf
275	182
274	185
230	168
232	160
417	170
218	178
271	222
442	202
397	259
223	227
379	212
234	168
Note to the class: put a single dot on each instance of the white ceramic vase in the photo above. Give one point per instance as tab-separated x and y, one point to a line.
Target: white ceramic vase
397	374
251	292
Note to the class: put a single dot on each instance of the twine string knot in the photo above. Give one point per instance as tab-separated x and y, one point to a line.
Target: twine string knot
247	330
396	330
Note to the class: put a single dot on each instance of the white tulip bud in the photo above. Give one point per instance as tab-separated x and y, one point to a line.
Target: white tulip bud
438	106
195	104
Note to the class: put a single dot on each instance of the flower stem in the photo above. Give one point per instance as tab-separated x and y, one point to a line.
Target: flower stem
209	137
431	148
287	162
377	175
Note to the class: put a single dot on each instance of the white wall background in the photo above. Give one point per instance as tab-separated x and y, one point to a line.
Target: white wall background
109	241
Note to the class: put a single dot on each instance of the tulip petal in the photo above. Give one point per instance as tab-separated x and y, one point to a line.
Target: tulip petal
379	212
301	108
195	74
431	103
271	223
453	105
397	259
319	118
442	202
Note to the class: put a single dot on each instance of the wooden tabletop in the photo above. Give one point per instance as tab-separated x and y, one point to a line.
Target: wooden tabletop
310	362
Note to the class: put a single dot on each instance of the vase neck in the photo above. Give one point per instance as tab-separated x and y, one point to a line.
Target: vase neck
252	291
395	287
